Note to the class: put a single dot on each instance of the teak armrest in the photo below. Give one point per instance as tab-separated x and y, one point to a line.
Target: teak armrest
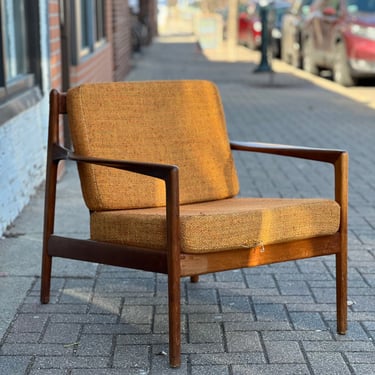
161	171
339	159
317	154
168	173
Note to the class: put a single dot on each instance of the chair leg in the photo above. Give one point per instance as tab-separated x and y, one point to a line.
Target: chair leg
341	292
174	320
45	284
194	279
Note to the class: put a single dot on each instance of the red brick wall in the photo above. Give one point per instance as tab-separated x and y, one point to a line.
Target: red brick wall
98	66
121	39
55	45
111	62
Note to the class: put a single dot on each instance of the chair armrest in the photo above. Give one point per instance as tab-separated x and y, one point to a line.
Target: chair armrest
167	172
161	171
318	154
339	159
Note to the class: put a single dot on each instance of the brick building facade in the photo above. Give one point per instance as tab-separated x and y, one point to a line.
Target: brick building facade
55	44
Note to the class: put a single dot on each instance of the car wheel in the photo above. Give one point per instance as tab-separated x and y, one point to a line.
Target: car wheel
341	70
309	64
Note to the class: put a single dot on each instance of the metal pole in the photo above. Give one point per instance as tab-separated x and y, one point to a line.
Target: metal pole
264	65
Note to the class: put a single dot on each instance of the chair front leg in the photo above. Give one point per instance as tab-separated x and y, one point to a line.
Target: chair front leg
341	292
174	310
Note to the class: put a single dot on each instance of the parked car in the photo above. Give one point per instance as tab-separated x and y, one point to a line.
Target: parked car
291	31
339	35
276	15
249	25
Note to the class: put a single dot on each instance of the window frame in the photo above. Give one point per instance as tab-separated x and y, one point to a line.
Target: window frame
89	27
24	90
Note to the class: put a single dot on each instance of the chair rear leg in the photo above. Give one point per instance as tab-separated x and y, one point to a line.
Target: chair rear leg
194	279
49	218
45	286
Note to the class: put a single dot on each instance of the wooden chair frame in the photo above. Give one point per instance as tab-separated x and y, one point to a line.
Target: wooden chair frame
172	262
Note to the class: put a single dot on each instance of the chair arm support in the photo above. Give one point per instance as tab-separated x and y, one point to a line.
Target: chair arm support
167	172
161	171
318	154
339	159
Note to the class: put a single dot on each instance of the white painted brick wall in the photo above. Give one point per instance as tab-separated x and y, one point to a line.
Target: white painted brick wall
23	142
22	160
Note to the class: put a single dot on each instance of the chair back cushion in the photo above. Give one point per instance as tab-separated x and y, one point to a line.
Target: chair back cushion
173	122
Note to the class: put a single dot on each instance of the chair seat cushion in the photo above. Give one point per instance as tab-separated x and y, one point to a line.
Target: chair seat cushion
221	225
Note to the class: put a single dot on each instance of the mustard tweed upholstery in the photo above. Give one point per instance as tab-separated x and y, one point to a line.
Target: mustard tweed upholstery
221	225
173	122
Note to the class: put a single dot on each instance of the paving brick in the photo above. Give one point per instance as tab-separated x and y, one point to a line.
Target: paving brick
132	356
227	358
201	296
226	276
270	312
243	342
160	366
110	371
49	372
15	365
160	323
95	345
355	332
142	339
284	352
364	369
137	314
328	363
252	292
256	326
278	369
360	358
290	300
124	287
35	349
235	304
210	370
342	346
13	338
102	305
116	329
189	348
221	317
311	307
206	333
63	333
84	318
54	308
26	323
294	288
260	281
50	361
309	336
307	321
